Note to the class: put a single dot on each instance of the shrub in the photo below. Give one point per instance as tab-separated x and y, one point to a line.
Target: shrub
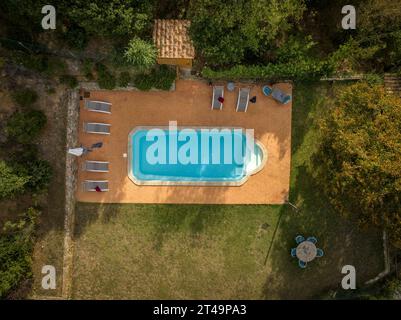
373	79
15	251
159	78
11	182
25	97
105	79
39	172
25	126
141	53
76	37
26	162
87	68
124	79
69	81
303	70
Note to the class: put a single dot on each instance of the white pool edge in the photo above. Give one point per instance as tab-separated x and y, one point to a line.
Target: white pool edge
189	183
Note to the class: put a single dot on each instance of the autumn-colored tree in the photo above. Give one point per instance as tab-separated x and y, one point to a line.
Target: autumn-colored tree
358	164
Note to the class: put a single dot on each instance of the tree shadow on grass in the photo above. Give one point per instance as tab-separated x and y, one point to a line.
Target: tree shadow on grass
340	239
308	98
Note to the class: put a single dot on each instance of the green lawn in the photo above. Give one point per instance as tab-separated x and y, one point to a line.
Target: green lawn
213	252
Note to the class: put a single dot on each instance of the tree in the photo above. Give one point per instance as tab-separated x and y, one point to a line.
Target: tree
358	163
10	182
25	126
16	243
110	18
141	53
224	32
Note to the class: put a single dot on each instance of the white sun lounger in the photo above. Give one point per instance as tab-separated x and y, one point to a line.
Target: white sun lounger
98	106
99	128
243	99
90	185
96	166
218	92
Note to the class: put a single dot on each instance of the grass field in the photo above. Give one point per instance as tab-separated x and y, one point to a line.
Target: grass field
224	252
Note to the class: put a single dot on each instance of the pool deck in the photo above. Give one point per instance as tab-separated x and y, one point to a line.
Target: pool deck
189	105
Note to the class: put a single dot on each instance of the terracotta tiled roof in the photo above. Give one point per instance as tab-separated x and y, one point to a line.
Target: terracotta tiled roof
172	40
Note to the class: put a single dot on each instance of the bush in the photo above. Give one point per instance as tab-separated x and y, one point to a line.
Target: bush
39	171
76	37
24	127
87	68
69	81
11	183
26	162
373	79
159	78
141	54
25	97
303	70
105	79
15	251
124	79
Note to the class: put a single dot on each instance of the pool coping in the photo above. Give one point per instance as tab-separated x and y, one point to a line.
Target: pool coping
190	183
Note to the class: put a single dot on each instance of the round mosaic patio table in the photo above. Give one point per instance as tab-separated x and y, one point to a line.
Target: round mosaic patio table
306	251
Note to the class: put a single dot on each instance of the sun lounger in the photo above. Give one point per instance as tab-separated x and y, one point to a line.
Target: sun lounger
98	106
90	185
218	92
281	96
96	166
99	128
243	99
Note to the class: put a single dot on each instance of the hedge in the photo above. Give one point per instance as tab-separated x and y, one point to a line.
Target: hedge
304	70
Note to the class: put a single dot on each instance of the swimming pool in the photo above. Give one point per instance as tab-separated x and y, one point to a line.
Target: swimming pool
193	156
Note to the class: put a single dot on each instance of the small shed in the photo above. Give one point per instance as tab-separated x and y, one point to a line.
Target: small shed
173	43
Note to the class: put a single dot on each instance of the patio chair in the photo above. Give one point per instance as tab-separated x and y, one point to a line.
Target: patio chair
319	253
302	264
293	252
312	239
267	90
96	166
243	99
281	96
98	106
90	185
299	239
218	92
99	128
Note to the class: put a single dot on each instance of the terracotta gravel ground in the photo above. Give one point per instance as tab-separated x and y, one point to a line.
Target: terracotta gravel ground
189	105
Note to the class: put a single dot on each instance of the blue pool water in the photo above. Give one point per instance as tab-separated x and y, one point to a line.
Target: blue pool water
192	156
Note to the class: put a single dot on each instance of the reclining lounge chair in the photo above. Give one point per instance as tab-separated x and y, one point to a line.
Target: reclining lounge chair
218	92
96	166
99	128
281	96
243	99
98	106
91	185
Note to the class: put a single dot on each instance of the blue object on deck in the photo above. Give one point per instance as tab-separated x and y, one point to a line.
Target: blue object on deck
312	239
299	239
293	252
319	253
281	96
267	90
302	264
